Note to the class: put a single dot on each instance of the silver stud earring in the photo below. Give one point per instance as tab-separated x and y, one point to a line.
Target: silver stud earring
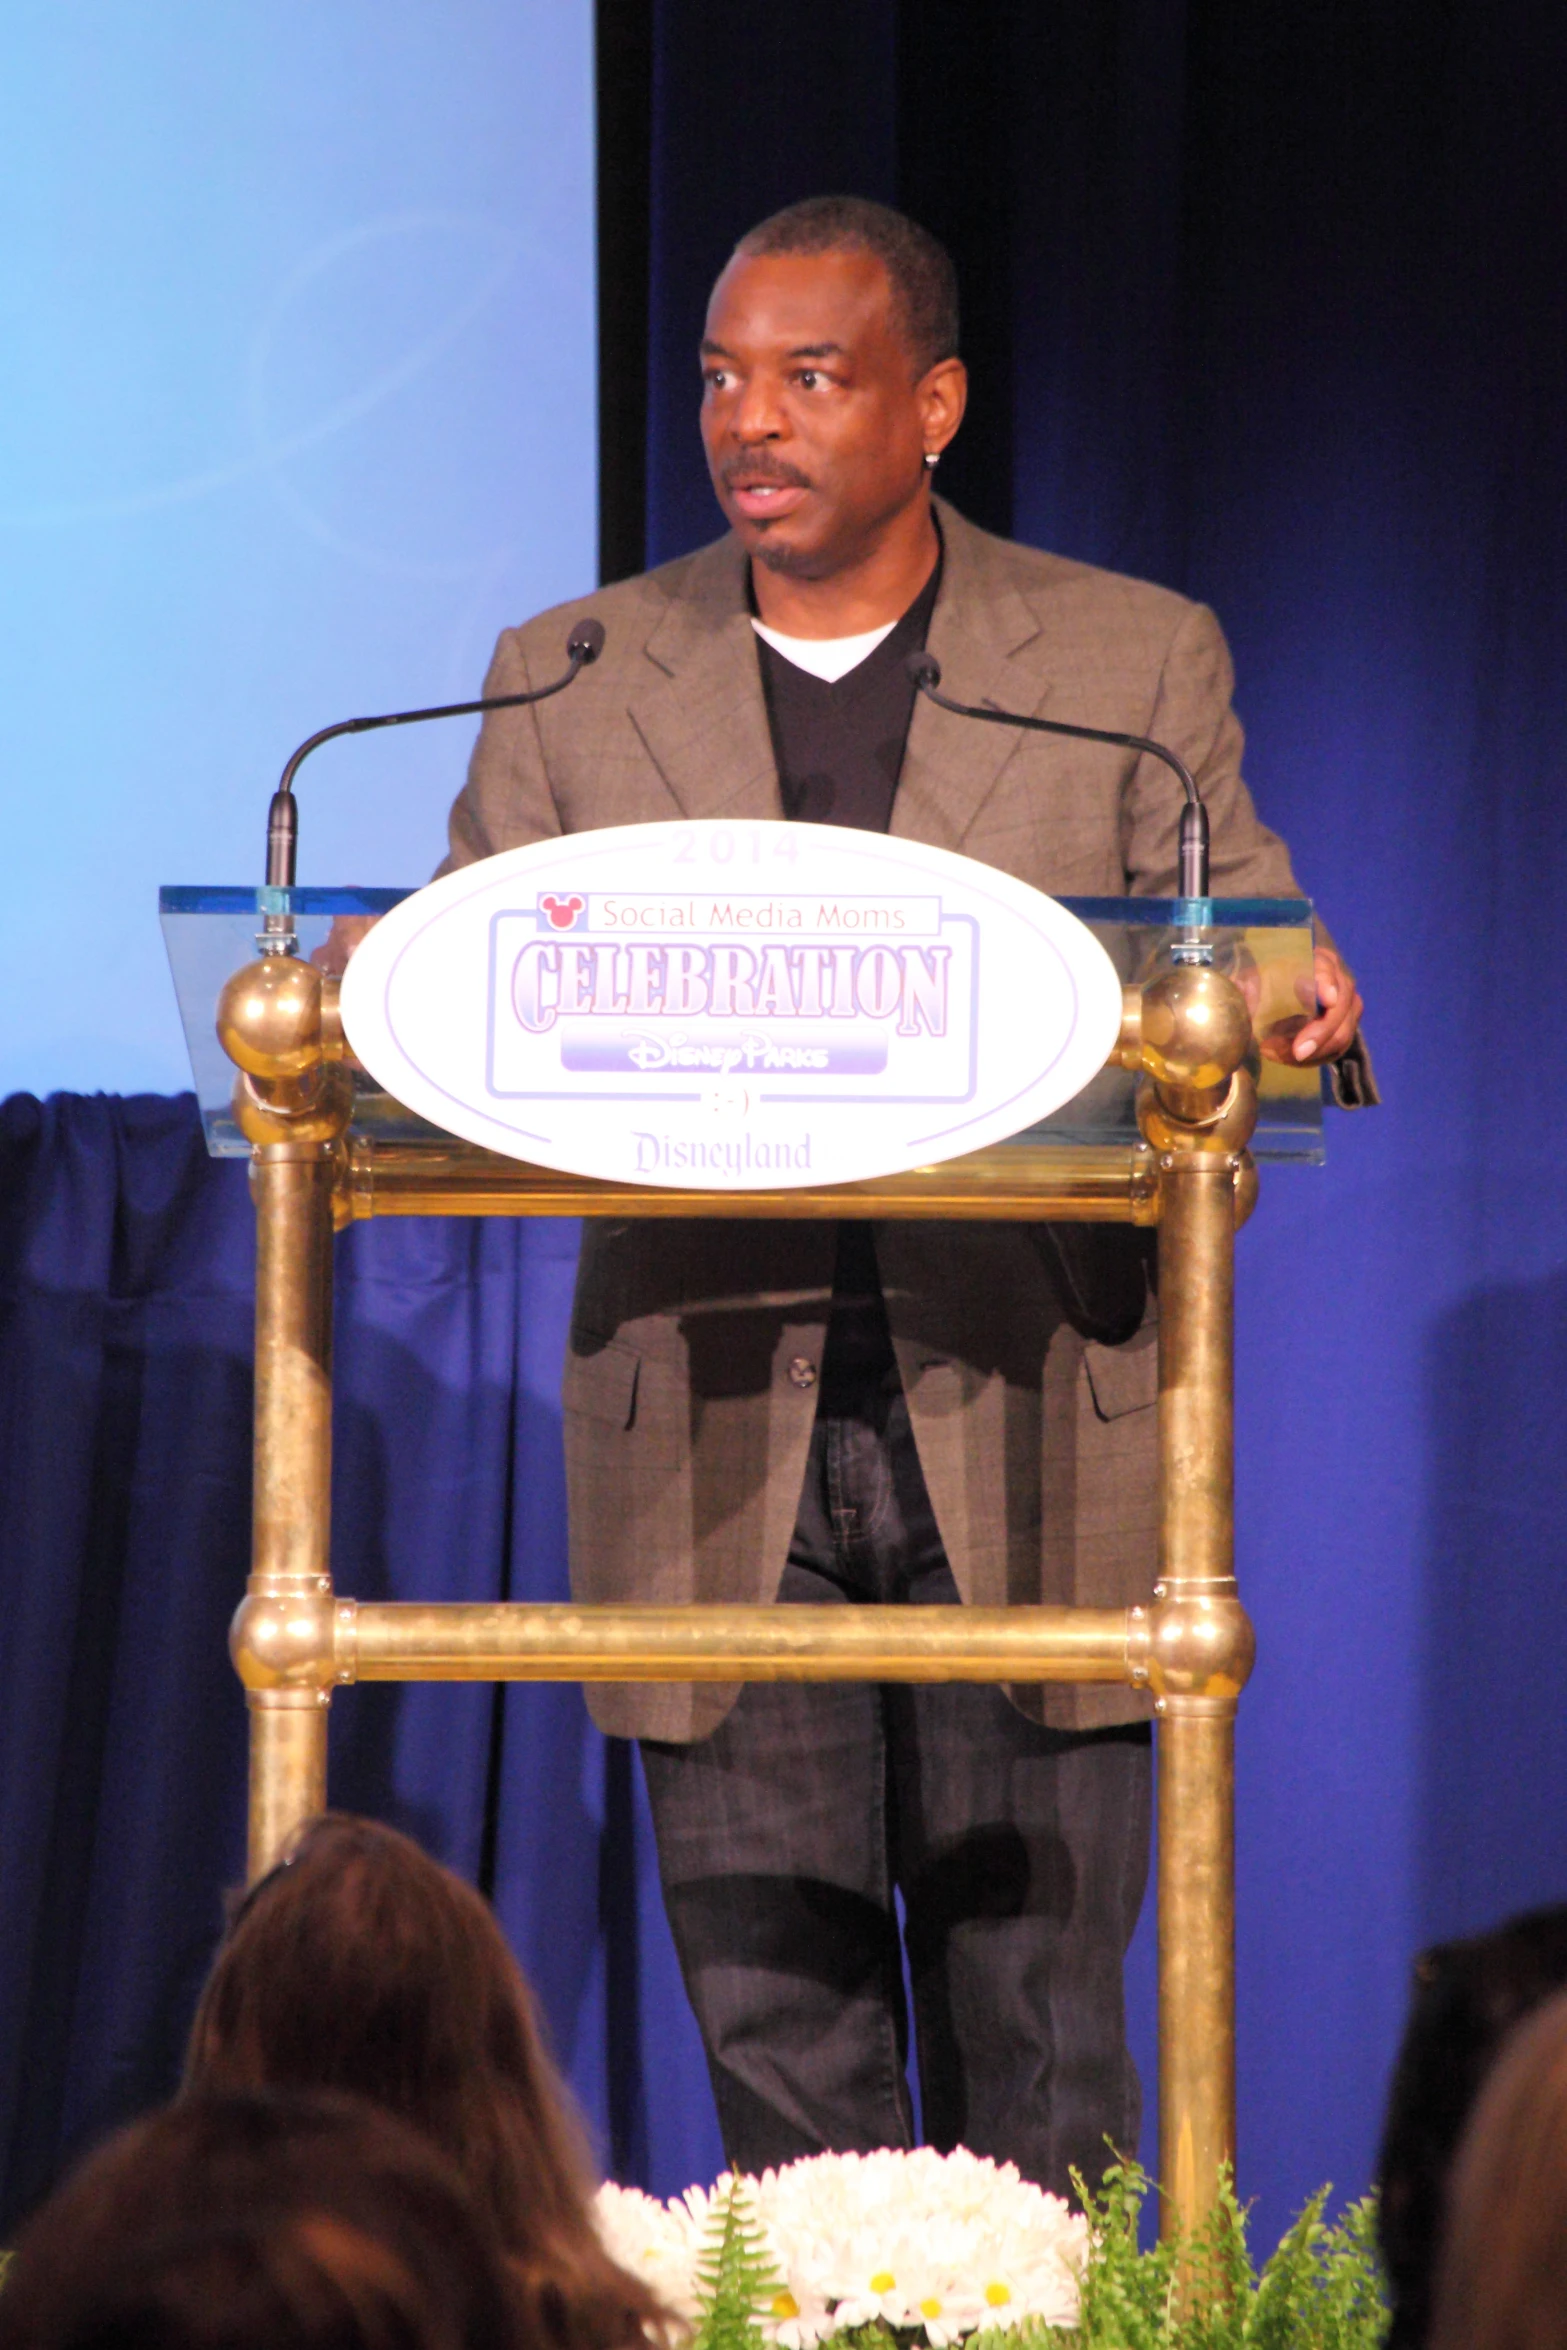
933	458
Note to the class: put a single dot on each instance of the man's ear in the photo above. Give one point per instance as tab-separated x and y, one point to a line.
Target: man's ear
942	392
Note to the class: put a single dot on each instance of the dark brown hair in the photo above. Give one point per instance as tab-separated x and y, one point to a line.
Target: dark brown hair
924	282
361	1964
262	2223
1502	2281
1466	1998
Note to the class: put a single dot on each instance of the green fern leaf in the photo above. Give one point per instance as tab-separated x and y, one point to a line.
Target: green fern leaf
736	2278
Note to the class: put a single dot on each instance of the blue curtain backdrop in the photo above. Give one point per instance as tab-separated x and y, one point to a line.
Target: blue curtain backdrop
126	1269
1264	303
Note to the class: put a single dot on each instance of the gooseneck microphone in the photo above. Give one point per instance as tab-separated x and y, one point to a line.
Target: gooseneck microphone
925	670
583	648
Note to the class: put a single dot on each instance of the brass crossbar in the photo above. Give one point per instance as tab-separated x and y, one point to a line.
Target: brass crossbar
407	1640
1100	1183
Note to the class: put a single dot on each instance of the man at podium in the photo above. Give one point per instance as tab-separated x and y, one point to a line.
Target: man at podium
906	1413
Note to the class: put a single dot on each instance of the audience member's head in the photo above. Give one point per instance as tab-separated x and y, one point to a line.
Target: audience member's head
360	1964
1468	1997
1502	2278
262	2223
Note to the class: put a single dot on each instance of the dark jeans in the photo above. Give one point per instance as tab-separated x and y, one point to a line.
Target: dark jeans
1020	1854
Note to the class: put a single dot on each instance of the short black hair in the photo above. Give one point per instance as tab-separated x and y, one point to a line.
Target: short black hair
924	282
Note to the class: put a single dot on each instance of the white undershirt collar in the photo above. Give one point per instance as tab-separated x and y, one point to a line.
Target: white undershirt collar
827	657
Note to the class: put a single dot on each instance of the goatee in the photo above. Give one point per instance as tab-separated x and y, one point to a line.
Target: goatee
788	562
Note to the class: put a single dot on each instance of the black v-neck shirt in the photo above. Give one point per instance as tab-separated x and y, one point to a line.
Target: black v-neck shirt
839	747
839	750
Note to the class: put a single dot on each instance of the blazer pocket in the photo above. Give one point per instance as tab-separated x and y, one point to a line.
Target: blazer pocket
617	1388
1124	1379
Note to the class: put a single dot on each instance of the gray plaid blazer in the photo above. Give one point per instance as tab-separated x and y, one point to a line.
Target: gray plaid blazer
1027	1353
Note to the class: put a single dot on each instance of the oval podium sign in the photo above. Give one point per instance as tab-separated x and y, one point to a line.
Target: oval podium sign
731	1006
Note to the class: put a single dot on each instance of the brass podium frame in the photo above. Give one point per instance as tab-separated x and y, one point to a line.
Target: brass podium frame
294	1641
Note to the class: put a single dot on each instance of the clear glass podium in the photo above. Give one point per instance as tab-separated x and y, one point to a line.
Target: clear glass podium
1200	1087
1265	942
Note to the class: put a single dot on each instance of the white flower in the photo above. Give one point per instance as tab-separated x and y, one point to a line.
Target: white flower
658	2242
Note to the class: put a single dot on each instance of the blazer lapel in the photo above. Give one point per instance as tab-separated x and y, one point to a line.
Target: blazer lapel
980	627
698	706
699	709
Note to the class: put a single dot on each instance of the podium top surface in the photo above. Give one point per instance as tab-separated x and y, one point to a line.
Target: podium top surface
212	930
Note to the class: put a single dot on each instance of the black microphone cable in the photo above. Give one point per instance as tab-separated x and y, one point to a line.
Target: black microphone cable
583	648
925	670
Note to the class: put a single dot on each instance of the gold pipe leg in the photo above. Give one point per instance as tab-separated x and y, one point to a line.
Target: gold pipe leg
281	1639
1196	1953
1197	1377
1200	1655
287	1770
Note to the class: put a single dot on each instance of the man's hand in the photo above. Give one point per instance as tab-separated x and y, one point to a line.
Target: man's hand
336	949
1332	1032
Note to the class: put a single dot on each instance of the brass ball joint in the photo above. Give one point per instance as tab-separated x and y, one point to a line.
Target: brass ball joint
269	1017
1195	1035
1190	1035
287	1639
278	1021
1191	1645
1228	1127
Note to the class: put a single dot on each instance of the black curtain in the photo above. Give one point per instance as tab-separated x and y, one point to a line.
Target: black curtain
1005	130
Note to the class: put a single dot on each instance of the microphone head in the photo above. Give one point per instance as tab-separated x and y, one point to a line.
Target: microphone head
924	669
586	642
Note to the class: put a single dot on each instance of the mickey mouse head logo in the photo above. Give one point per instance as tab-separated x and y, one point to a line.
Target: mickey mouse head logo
562	912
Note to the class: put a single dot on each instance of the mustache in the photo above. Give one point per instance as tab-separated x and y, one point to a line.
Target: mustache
747	471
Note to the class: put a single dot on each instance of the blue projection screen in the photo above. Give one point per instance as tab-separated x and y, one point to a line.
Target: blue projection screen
299	410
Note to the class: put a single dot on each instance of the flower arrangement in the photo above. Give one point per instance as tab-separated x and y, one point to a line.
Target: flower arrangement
931	2246
892	2251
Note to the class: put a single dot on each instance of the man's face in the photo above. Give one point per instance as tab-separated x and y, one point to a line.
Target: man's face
813	418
